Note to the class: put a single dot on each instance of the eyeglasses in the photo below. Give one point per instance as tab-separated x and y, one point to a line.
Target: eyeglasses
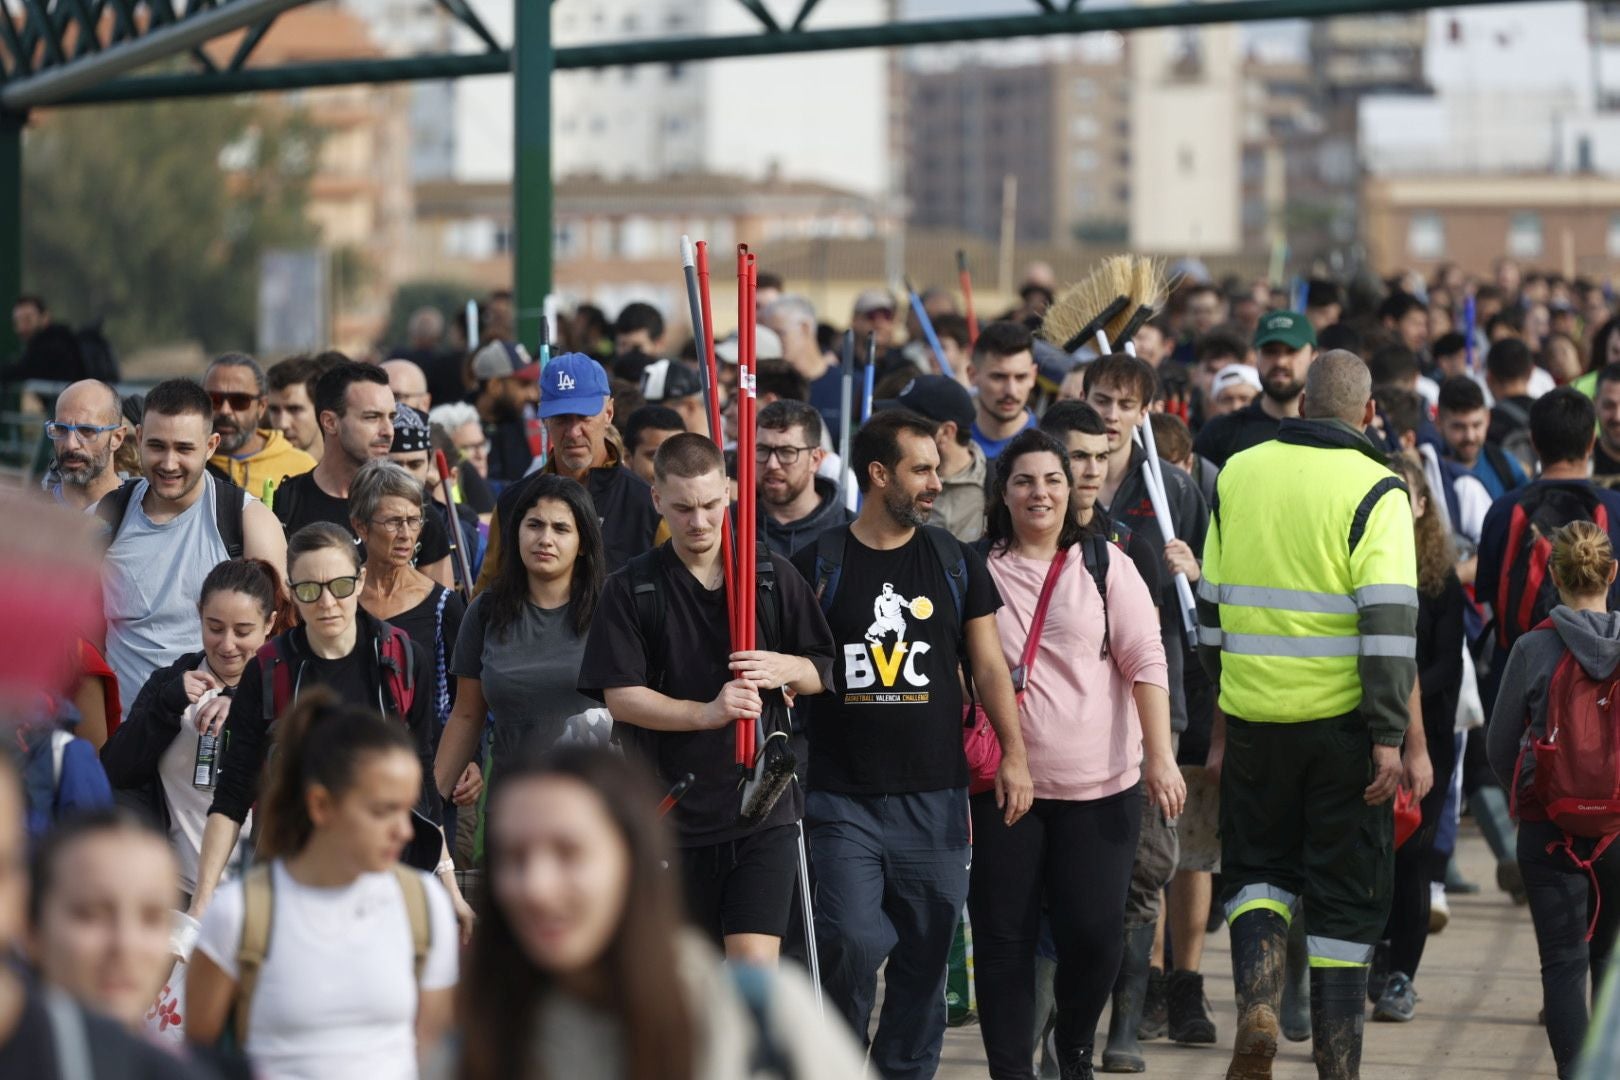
787	455
237	402
341	588
86	432
399	525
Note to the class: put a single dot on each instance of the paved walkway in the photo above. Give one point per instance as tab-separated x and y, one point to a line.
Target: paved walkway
1480	989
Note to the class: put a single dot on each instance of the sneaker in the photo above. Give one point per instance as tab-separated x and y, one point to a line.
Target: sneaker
1190	1019
1398	1002
1155	1009
1439	910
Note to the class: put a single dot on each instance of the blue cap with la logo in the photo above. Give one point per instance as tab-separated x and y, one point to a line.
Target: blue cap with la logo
573	385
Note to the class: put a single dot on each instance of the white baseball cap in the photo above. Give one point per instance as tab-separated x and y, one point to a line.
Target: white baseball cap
767	346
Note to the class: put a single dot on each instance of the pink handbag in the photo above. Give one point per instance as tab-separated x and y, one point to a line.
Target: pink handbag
979	740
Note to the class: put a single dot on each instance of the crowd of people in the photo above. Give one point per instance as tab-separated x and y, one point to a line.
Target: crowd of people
1325	577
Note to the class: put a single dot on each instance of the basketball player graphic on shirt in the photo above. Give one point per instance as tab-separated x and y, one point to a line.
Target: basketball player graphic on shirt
887	617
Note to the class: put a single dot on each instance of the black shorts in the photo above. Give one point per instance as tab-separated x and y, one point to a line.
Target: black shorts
743	886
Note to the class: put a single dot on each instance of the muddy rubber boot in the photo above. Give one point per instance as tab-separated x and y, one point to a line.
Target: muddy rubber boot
1123	1054
1489	807
1296	996
1156	1012
1338	1012
1259	959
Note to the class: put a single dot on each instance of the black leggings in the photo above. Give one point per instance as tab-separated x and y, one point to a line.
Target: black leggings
1561	906
1076	856
1408	927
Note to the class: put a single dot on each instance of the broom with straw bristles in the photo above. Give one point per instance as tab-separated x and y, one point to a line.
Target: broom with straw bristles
1115	299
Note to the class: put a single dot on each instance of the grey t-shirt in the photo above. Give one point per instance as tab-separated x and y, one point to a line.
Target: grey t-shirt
529	674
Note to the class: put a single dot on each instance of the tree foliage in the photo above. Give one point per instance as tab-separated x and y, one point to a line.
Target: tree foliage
154	216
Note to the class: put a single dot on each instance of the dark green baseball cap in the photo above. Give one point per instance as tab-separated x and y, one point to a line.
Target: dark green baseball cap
1289	327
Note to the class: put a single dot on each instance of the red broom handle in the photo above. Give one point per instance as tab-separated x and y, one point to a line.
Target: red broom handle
967	301
751	593
744	578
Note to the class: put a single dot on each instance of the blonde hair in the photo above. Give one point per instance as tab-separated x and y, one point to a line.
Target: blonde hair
1582	558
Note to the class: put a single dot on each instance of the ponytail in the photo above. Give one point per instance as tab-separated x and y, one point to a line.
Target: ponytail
318	741
258	580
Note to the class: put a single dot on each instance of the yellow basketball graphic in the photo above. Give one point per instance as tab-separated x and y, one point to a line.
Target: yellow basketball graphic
922	607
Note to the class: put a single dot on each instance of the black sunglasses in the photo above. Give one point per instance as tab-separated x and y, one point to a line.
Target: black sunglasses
238	402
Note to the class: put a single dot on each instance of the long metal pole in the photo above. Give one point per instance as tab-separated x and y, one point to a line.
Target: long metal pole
11	283
87	72
531	172
666	51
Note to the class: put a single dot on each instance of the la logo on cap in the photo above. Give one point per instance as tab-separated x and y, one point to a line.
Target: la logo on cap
565	381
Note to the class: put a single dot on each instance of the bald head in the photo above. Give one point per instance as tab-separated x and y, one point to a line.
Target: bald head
89	401
408	383
1337	387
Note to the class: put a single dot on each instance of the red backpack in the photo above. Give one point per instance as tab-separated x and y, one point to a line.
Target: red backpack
394	658
1577	763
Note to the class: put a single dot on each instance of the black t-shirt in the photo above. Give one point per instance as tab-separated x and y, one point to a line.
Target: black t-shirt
693	659
1235	432
300	501
1604	463
894	721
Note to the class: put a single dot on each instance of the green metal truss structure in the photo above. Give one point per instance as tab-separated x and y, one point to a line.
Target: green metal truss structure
85	52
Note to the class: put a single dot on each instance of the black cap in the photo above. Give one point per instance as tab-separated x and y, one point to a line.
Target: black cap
935	396
669	380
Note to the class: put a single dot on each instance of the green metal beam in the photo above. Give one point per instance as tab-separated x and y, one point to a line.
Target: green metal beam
678	50
531	171
11	281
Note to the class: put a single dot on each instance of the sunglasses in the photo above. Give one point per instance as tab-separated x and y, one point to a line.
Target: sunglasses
237	402
58	432
341	588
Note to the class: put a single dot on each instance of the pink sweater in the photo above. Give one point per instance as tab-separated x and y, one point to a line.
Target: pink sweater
1079	720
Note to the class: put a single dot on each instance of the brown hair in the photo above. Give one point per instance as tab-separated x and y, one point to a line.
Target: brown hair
1436	556
257	580
1171	434
688	455
1581	559
319	740
501	988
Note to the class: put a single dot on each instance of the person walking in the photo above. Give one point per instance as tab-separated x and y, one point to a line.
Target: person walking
1307	613
1095	718
335	817
518	655
157	755
1577	649
581	968
887	811
1440	644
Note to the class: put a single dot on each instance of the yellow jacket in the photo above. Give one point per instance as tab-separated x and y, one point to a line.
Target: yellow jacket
277	460
1308	603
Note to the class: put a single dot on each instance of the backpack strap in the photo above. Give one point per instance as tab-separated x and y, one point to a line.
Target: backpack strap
258	909
829	565
440	660
416	910
396	660
768	608
1497	458
1094	548
652	611
228	501
949	553
275	681
114	505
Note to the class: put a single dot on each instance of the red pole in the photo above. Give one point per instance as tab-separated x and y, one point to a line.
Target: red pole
750	496
966	279
744	566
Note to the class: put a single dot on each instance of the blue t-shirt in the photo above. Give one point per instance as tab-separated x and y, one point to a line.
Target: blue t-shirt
993	447
1496	484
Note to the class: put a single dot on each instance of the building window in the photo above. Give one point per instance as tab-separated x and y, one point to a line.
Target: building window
1085	160
1084	90
1426	235
1084	127
1524	235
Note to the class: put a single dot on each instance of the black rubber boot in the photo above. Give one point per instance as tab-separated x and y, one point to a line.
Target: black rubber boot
1123	1054
1338	1011
1296	996
1156	1011
1259	958
1190	1019
1074	1049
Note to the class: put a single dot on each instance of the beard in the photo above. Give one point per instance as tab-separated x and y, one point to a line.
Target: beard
906	510
1283	392
230	441
783	496
82	470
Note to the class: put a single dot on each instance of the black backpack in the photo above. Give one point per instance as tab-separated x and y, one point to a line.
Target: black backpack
227	512
1525	593
96	352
